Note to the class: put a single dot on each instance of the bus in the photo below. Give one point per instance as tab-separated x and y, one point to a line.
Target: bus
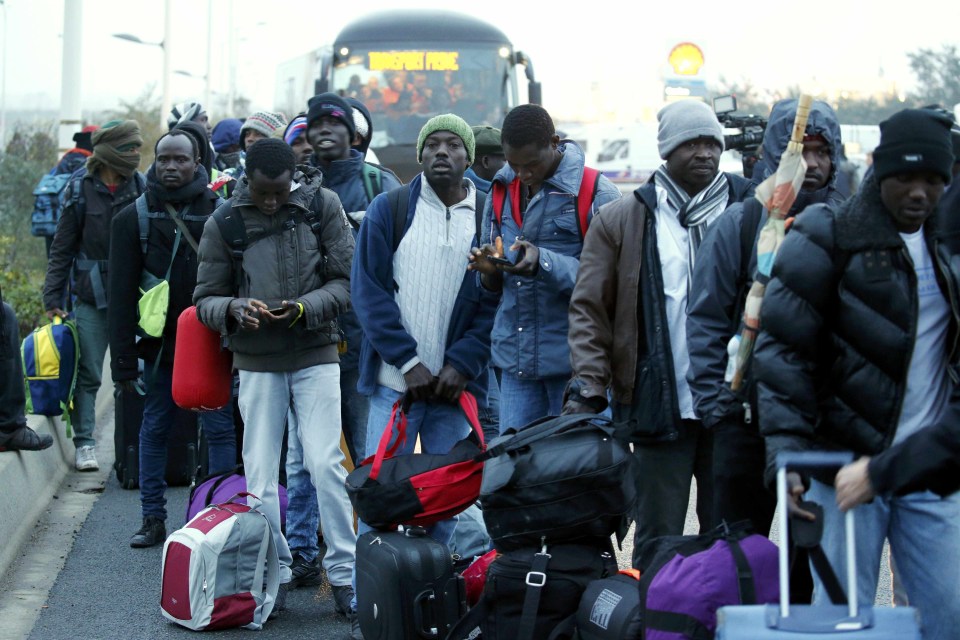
407	66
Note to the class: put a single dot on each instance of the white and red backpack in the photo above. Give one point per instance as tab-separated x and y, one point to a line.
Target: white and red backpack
221	569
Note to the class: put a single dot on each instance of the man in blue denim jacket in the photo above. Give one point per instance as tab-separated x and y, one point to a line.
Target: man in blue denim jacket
542	239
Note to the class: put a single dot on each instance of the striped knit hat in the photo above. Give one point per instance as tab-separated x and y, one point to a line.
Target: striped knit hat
296	128
266	122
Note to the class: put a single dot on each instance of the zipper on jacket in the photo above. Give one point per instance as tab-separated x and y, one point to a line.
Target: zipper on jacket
902	388
448	226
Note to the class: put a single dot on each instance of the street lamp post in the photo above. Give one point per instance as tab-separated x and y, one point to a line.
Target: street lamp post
165	45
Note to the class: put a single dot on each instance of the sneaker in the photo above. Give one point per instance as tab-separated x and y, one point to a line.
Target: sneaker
86	459
355	633
153	532
304	573
25	439
342	599
280	604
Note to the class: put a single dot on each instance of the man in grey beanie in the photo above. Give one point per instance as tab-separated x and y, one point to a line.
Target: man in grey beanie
628	317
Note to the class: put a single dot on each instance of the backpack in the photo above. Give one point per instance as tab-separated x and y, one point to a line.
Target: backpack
46	203
234	234
221	487
51	358
399	200
585	196
221	569
372	180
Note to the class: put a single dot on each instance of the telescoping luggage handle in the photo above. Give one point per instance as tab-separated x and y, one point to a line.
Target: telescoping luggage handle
544	428
398	422
813	461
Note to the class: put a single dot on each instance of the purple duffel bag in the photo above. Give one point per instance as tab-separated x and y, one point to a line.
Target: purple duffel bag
221	488
685	579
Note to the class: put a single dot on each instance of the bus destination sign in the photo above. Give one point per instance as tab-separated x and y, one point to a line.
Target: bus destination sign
414	61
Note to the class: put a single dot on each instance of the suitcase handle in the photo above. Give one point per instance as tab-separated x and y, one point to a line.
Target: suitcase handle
813	460
421	602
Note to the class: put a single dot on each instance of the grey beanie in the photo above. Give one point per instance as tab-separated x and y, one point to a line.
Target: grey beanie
685	120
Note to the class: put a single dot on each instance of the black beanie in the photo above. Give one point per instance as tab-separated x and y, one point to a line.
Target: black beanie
330	104
914	140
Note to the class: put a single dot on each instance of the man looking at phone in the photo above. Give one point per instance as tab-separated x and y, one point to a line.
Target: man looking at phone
276	307
541	240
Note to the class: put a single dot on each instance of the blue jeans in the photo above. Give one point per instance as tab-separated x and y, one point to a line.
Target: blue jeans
313	396
522	401
924	535
94	338
490	414
440	427
303	514
159	413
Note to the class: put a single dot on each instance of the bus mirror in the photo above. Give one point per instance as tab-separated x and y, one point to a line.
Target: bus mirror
534	93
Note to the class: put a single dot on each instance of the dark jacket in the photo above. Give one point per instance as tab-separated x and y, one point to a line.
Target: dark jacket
928	459
84	238
618	332
723	275
385	339
283	261
345	178
127	261
838	325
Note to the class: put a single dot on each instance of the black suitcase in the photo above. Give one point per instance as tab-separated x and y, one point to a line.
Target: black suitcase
182	460
406	587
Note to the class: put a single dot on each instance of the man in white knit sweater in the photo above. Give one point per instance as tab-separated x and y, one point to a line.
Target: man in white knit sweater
426	320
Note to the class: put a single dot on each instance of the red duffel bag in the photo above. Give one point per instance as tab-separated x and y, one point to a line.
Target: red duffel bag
202	369
418	489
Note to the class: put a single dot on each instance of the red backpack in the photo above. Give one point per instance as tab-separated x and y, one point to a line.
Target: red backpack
585	197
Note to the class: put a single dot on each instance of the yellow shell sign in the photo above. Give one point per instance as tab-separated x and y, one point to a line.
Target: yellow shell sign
686	59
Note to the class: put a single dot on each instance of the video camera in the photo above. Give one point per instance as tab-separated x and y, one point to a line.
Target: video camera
748	141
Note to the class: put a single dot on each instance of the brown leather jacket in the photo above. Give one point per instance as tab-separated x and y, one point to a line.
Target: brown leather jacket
603	308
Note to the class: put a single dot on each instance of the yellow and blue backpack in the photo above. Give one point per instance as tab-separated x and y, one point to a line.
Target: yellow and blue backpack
50	362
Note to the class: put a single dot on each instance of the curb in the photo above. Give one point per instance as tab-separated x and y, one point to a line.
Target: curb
30	479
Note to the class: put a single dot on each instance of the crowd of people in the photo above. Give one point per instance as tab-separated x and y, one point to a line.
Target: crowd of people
351	290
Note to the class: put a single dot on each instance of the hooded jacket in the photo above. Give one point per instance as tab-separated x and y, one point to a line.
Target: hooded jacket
723	275
530	331
839	323
282	261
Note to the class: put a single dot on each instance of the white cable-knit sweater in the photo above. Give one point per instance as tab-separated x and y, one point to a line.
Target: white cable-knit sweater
428	268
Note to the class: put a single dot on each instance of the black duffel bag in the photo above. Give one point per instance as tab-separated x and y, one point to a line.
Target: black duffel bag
533	594
557	479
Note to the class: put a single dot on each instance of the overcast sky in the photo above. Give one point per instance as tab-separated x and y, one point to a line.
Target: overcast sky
577	50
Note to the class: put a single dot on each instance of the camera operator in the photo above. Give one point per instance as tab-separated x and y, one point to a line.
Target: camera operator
723	274
748	141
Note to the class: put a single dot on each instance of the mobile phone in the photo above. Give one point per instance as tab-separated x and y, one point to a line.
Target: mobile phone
279	311
501	261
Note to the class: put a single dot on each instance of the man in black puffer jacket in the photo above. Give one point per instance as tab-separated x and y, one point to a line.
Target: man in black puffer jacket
176	182
859	349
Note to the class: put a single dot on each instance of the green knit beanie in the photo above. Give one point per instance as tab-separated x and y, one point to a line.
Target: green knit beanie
447	122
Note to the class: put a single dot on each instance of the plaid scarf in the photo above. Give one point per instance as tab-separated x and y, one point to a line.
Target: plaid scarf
694	213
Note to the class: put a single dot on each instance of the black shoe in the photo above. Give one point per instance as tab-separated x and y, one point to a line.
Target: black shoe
304	573
25	439
342	599
153	532
280	604
355	633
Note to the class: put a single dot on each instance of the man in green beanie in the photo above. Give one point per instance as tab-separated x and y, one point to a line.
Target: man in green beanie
426	319
109	182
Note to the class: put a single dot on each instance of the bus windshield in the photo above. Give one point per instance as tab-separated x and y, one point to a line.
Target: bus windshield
403	88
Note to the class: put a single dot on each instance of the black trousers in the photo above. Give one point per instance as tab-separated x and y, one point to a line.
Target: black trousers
664	471
739	492
12	395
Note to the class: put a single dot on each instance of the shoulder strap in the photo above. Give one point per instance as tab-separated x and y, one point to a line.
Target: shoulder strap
77	199
234	234
585	197
372	180
399	200
752	212
499	193
143	222
481	204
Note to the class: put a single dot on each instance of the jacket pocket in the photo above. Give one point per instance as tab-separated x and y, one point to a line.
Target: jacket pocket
643	419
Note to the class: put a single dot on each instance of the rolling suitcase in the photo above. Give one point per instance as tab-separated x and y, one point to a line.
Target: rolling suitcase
406	587
852	621
182	459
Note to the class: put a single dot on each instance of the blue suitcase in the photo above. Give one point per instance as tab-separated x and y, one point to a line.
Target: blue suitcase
831	622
